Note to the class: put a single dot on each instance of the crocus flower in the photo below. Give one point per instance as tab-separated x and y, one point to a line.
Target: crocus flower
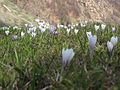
52	29
15	27
28	31
69	25
103	26
30	25
67	56
86	22
76	24
89	34
65	27
14	37
114	40
26	25
68	31
82	25
76	31
113	29
22	34
43	30
72	27
92	41
112	43
33	34
7	32
110	46
97	27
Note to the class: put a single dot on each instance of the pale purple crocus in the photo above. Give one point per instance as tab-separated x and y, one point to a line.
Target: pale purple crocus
14	37
67	55
92	39
112	43
52	30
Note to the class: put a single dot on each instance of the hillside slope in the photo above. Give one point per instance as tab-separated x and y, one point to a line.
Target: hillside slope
72	10
10	14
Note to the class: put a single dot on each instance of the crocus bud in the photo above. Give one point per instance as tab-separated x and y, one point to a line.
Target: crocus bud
110	46
7	32
97	27
114	40
67	56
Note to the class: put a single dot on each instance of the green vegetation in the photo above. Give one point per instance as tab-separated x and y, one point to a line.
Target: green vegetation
12	15
35	63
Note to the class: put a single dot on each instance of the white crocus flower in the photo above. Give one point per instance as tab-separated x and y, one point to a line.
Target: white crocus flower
89	34
110	46
113	29
7	32
65	27
72	27
103	26
33	34
68	31
43	30
76	24
86	22
76	31
22	34
26	25
92	41
67	56
28	31
82	25
15	27
97	27
114	40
